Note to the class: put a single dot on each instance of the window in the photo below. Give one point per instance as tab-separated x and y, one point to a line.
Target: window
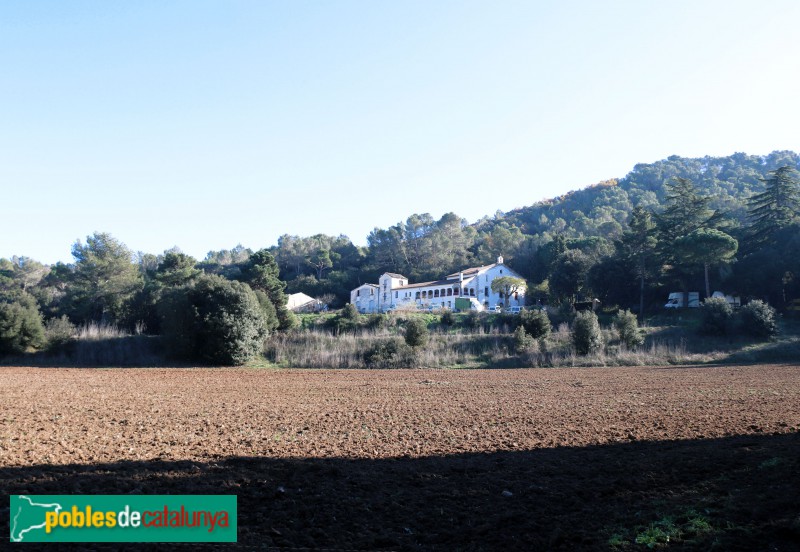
417	296
486	291
449	292
358	292
436	293
372	292
395	295
501	271
384	297
472	292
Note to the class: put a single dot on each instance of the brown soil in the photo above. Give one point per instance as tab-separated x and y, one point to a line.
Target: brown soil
416	459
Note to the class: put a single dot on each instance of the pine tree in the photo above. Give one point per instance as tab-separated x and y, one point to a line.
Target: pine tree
686	210
261	272
775	207
639	244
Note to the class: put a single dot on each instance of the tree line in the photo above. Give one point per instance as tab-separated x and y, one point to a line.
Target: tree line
674	225
726	223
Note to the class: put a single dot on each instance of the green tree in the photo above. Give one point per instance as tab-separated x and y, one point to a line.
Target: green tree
638	244
176	269
271	322
612	279
686	209
507	286
707	247
262	273
26	272
776	207
321	261
570	274
213	321
20	323
104	278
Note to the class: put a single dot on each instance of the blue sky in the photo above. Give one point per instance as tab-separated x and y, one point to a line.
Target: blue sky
207	124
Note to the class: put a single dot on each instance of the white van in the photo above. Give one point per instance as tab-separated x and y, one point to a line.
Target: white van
515	310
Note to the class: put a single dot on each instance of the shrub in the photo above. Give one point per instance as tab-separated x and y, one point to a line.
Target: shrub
391	353
447	318
346	321
536	323
378	321
288	320
522	341
472	320
564	313
716	316
586	335
20	323
214	321
58	332
416	333
628	328
350	312
759	319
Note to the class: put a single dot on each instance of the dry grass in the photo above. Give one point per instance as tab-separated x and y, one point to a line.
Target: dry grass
321	349
94	331
478	348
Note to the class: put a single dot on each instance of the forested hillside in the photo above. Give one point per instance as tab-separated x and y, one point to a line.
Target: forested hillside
727	223
569	235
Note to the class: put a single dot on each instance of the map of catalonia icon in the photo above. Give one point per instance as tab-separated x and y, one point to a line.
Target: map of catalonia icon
28	516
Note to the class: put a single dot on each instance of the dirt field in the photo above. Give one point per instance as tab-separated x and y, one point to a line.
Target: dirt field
489	459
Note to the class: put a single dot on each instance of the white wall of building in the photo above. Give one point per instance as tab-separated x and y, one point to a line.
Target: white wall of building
394	291
365	298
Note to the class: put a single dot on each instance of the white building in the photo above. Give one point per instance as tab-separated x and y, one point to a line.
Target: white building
300	302
475	284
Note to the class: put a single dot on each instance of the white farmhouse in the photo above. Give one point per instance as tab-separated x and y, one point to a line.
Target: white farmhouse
474	284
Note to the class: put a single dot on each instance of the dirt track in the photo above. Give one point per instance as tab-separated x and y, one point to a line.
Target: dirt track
420	459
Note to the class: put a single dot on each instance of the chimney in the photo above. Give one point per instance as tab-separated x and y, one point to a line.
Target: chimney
500	259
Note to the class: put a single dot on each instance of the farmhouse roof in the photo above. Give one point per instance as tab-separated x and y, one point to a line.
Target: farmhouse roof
297	300
393	275
470	271
428	284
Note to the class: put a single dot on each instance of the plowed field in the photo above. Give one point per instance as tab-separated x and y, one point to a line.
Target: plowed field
420	459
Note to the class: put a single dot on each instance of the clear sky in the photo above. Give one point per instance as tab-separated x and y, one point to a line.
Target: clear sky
204	124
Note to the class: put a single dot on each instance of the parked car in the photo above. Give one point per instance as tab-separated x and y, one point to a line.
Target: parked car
515	310
496	308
